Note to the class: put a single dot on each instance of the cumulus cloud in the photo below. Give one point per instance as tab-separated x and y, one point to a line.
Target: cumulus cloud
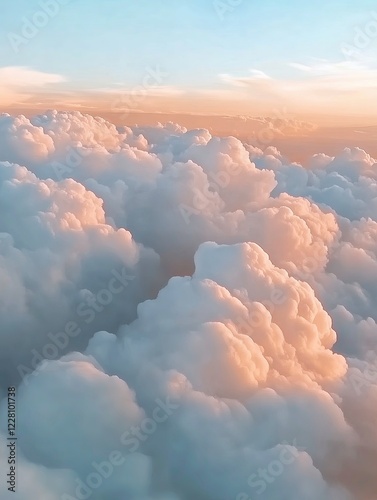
185	316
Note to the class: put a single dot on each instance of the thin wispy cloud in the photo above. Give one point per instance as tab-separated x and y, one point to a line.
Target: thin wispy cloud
18	83
153	91
22	76
309	86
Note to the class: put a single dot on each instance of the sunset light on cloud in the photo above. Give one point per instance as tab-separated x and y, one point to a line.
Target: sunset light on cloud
188	250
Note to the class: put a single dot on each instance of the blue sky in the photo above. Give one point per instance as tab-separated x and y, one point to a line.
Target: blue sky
242	52
93	42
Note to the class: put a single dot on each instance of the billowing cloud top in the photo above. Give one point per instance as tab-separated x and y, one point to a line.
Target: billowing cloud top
185	316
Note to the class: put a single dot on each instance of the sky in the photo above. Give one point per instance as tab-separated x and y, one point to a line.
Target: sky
218	57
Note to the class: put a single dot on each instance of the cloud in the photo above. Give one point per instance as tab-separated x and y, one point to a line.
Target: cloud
314	87
343	76
22	76
186	316
255	76
156	90
18	81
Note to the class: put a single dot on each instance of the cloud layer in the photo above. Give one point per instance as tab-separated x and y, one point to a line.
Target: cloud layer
205	310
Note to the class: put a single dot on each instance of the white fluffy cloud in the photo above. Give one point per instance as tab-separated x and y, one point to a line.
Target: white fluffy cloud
207	312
